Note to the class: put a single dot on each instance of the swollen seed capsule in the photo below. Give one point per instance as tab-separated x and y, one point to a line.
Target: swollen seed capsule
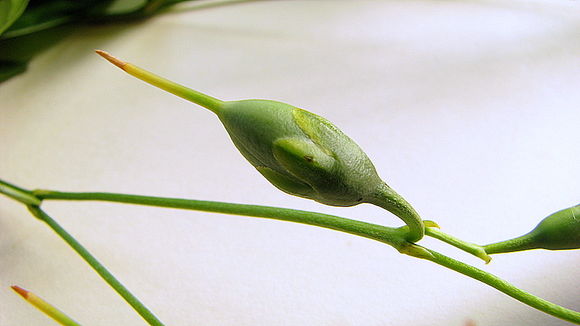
297	151
559	231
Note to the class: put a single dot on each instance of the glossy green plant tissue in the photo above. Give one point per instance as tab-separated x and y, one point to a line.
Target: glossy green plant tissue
558	231
299	152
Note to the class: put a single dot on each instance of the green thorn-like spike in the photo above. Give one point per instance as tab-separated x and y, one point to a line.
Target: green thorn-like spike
45	307
189	94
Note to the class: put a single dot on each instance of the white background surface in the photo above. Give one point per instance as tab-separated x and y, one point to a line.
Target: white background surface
469	109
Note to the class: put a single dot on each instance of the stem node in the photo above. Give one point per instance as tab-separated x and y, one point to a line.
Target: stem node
24	196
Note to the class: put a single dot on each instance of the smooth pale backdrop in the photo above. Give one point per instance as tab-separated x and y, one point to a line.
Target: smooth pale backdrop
469	109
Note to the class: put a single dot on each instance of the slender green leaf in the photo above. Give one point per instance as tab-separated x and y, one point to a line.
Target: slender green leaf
45	22
10	10
44	15
124	6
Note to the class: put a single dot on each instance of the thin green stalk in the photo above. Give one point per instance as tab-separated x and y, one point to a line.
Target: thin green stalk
505	287
372	231
208	102
471	248
22	195
525	242
97	266
391	236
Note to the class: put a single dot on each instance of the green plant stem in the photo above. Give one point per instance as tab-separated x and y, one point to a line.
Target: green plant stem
97	266
505	287
471	248
22	195
524	242
393	237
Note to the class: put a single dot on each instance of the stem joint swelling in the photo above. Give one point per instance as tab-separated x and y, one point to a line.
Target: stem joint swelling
416	251
24	196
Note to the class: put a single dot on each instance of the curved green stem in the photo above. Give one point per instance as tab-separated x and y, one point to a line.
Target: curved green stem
391	236
390	200
97	266
505	287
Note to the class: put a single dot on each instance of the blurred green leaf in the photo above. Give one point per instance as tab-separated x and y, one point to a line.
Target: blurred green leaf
42	15
45	22
124	6
10	10
25	47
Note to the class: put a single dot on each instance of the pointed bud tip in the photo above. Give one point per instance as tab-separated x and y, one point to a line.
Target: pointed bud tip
485	257
431	224
20	291
119	63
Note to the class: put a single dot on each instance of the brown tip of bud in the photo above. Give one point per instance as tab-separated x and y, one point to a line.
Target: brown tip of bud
119	63
20	291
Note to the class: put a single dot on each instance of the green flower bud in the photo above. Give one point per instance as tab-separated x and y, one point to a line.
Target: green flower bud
297	151
559	231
